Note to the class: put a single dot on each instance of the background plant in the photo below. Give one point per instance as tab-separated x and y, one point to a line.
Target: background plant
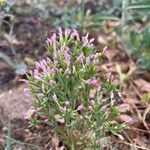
60	89
6	31
90	15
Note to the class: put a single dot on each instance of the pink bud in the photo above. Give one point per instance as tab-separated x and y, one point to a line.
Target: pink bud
111	95
40	95
48	60
126	118
104	49
91	82
67	32
67	71
53	38
37	65
49	40
60	31
52	82
91	40
74	34
80	58
54	97
85	40
80	107
124	107
88	59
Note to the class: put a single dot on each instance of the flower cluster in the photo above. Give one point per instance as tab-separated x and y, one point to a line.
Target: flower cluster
61	85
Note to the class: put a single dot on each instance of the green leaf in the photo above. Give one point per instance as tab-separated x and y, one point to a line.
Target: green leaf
8	145
139	6
101	16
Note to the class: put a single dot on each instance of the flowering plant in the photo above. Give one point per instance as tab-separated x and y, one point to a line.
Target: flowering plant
66	88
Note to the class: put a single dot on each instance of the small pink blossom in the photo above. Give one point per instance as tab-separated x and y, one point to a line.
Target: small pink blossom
36	74
48	60
112	95
91	46
88	59
124	107
37	65
104	49
53	38
66	55
67	32
80	107
126	118
91	82
54	97
52	82
67	71
44	62
85	39
75	34
80	58
91	40
49	40
40	95
120	137
60	31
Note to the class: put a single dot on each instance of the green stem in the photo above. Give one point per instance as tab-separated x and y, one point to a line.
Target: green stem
72	146
82	9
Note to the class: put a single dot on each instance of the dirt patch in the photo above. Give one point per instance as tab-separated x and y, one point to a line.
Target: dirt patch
12	104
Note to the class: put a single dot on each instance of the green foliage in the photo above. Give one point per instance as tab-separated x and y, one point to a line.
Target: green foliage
137	41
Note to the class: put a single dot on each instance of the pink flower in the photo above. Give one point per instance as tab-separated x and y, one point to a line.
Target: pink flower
52	82
36	74
53	38
91	46
75	34
29	113
80	107
85	39
67	71
88	59
48	60
120	137
37	65
124	107
44	62
40	95
66	55
91	82
80	58
126	118
54	97
96	61
67	32
60	31
49	40
91	40
104	49
112	95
